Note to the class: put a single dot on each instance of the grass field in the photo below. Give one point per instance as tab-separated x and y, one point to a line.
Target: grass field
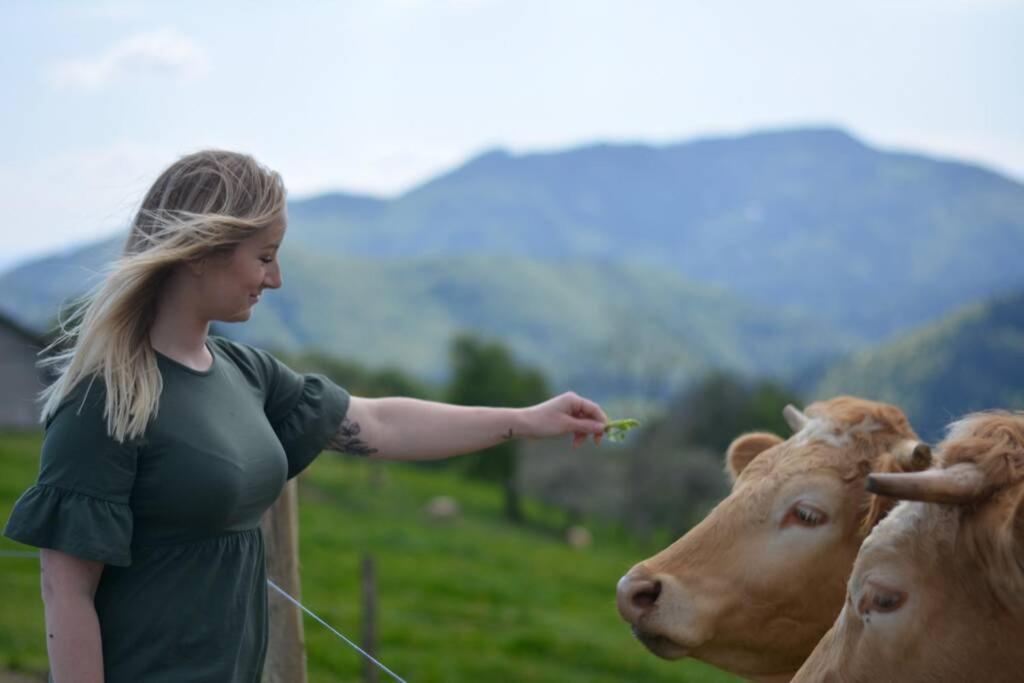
471	600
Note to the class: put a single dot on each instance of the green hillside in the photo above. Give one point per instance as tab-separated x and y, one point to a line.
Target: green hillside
606	329
973	360
473	600
606	326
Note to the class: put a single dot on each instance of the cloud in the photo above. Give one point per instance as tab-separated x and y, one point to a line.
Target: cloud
163	53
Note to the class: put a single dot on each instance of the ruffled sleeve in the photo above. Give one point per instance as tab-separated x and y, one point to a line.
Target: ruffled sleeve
305	410
313	419
80	502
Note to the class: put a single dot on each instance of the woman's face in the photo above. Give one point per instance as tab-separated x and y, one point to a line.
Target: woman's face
232	283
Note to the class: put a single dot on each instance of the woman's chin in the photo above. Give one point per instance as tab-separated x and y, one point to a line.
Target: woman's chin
237	317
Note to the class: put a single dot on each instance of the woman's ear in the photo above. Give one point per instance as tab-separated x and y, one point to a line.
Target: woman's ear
745	448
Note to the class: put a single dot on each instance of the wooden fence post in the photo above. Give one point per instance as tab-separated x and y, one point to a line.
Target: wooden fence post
286	651
369	644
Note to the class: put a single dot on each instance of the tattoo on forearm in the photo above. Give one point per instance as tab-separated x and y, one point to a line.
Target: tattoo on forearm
509	436
346	440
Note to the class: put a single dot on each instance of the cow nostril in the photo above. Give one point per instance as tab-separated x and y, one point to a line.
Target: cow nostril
637	594
646	594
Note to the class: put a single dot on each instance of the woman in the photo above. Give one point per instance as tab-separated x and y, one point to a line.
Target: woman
164	445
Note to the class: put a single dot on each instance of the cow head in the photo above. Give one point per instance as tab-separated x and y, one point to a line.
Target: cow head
754	586
937	591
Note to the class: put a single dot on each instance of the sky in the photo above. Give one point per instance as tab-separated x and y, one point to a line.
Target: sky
377	96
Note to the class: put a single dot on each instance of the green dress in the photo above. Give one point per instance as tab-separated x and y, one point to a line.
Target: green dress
175	515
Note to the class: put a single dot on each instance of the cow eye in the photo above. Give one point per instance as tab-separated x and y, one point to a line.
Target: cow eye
887	602
881	599
805	515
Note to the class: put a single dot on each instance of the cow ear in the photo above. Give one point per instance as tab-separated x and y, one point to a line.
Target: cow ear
745	448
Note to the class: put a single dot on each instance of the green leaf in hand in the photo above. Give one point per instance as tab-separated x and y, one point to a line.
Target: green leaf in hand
616	429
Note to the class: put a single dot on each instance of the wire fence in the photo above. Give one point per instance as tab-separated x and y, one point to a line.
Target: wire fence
29	554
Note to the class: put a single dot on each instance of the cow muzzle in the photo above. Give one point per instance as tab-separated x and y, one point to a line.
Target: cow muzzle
640	598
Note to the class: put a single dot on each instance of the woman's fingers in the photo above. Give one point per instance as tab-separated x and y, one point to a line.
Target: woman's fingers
590	420
585	418
587	408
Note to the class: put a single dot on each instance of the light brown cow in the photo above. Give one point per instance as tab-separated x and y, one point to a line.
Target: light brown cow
937	592
755	585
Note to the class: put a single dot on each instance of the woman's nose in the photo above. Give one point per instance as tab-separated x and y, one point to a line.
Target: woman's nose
273	280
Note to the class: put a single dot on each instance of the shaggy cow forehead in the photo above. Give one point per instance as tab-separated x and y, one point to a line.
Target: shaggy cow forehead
795	468
910	528
832	446
834	433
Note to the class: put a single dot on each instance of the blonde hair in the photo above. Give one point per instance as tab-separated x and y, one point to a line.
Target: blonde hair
203	204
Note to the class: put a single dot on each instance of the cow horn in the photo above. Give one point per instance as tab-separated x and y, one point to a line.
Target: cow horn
912	455
794	418
959	484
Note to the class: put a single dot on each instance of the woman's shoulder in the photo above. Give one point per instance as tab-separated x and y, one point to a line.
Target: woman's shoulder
86	400
237	351
257	365
80	421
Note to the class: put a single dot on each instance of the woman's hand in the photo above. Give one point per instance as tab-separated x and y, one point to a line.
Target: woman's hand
564	414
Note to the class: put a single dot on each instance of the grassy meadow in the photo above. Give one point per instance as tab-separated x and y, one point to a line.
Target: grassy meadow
474	599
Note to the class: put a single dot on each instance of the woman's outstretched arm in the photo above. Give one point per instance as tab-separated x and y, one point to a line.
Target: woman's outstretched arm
73	640
411	429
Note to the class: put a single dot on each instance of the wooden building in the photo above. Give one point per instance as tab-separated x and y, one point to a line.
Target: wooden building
20	379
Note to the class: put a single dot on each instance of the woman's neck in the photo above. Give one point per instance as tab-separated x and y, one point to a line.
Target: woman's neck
178	331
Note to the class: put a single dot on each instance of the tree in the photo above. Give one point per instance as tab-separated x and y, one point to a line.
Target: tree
674	468
721	407
485	374
358	379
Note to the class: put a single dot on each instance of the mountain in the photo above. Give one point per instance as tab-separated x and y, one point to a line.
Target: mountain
755	253
602	328
972	360
322	218
813	220
32	292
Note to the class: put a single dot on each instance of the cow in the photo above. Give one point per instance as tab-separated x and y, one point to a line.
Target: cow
754	586
937	591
